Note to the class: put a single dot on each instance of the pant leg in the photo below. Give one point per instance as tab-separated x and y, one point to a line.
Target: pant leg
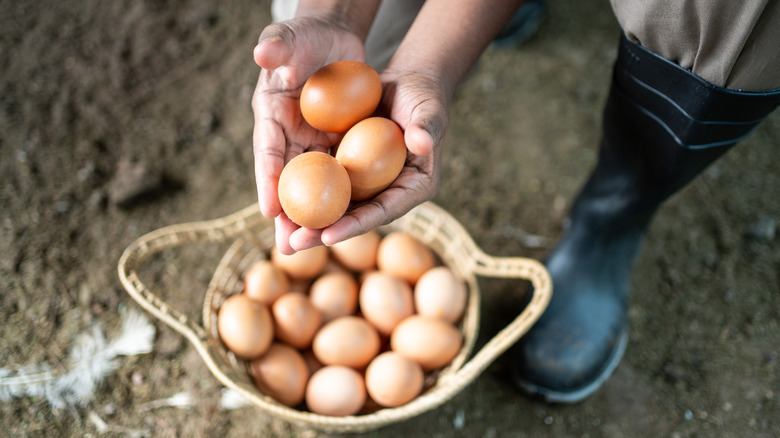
393	20
732	44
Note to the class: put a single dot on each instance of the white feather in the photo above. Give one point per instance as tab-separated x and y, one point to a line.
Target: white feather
179	400
89	361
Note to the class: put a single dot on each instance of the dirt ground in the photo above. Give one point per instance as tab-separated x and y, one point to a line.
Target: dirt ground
92	92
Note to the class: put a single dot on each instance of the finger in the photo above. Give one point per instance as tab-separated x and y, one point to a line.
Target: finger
284	228
268	144
355	223
386	207
418	140
426	128
305	238
274	47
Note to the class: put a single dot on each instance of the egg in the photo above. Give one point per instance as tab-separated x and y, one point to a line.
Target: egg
440	294
357	253
281	373
404	256
431	342
314	190
339	95
336	390
301	265
245	326
349	340
373	152
264	282
393	379
385	300
334	295
296	320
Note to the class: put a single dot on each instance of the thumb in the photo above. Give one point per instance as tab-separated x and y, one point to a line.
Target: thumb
425	132
274	47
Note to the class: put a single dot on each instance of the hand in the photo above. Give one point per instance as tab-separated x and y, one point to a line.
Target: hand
418	103
289	53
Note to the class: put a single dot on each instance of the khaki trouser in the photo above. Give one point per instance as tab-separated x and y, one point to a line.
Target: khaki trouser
732	44
729	43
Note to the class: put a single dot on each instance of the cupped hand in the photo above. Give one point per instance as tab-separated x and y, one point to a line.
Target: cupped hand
418	103
290	52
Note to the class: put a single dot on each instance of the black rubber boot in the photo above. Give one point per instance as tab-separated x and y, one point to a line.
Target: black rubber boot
662	126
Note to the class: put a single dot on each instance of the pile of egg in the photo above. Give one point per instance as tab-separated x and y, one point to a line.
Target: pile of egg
316	188
346	329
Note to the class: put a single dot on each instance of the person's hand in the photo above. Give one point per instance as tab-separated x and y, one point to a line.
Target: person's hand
289	52
418	103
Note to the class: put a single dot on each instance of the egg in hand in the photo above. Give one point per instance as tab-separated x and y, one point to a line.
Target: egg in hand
314	190
373	152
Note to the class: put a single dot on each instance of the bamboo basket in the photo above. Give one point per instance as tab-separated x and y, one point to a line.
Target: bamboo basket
253	235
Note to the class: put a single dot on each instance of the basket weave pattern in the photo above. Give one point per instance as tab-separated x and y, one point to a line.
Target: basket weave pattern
253	236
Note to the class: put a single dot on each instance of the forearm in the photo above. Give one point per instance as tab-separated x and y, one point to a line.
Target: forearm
448	36
353	15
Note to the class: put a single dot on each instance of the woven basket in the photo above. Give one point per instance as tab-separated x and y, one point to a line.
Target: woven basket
253	236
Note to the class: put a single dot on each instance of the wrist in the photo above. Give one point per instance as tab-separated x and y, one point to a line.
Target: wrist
448	37
355	16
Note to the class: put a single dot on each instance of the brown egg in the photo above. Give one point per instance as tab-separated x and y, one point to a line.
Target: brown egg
440	294
393	380
302	265
385	300
404	256
264	282
339	95
281	373
336	390
373	152
296	320
314	190
358	253
428	341
349	340
245	326
334	295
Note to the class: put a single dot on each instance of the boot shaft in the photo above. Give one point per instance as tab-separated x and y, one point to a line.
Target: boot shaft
662	126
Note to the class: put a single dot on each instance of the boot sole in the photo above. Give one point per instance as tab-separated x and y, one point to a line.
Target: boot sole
577	394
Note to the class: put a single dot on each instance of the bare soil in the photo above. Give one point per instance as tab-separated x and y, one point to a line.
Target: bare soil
118	118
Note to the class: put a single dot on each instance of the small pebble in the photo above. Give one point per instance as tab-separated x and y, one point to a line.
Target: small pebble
132	181
168	343
763	229
674	373
459	420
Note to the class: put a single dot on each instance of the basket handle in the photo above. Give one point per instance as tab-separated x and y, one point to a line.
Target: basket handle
216	230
